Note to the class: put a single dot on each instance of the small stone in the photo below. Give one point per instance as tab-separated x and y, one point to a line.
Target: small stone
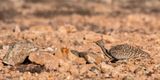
76	59
18	52
3	51
90	57
44	58
128	78
106	67
95	70
74	70
64	66
50	65
38	57
91	74
94	58
142	70
49	49
1	65
86	68
17	29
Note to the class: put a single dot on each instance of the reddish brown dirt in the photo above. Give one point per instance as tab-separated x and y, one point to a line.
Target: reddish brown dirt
63	27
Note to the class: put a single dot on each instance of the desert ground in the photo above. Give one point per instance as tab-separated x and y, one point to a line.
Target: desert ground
55	39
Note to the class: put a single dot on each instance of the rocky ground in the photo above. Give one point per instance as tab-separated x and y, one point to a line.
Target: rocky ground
54	39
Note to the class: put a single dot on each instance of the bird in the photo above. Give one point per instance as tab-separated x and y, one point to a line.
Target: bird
122	51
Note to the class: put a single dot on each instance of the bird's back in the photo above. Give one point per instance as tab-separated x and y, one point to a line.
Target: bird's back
125	51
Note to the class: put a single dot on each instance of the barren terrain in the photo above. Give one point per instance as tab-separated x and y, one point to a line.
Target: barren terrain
61	36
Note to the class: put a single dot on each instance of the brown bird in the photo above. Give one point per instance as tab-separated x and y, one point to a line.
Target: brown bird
122	51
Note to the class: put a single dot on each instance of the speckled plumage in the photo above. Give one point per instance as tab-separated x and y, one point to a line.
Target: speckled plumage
122	51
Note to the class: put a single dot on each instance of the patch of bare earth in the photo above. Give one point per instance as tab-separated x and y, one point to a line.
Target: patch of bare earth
59	38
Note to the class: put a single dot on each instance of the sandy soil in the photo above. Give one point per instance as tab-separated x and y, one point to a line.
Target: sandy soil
62	30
